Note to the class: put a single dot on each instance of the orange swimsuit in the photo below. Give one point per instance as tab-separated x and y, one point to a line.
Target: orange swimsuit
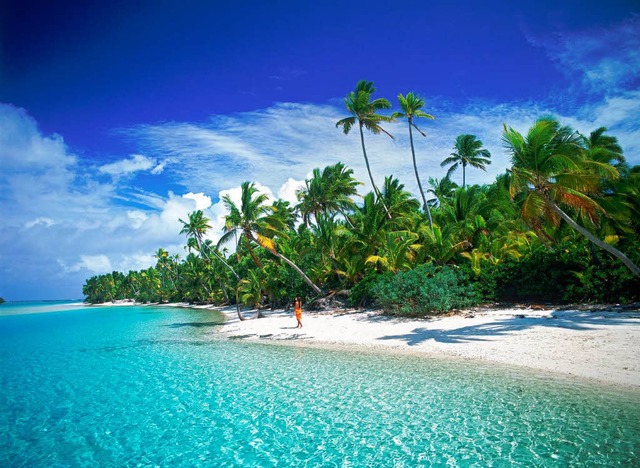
298	311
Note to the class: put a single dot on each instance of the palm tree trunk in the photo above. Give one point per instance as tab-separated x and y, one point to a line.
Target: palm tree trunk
238	309
425	206
291	264
299	271
464	167
603	245
346	219
366	160
219	257
254	257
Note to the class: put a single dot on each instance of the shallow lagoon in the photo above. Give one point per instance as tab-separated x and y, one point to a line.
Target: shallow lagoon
156	386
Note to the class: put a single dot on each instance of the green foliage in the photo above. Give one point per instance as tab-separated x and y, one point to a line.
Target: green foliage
426	290
569	272
495	242
361	294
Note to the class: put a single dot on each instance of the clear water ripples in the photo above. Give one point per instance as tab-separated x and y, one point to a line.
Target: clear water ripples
148	387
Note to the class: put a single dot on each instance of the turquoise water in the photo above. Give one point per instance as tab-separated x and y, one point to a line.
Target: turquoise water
146	386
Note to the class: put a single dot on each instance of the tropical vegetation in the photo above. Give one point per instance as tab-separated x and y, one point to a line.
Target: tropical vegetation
562	224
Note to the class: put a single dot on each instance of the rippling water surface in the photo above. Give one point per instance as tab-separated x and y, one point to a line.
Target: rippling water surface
125	386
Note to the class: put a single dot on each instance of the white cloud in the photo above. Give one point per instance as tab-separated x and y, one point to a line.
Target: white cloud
202	201
41	221
96	264
288	191
282	144
605	59
137	218
287	141
91	226
158	169
20	151
276	143
135	163
134	262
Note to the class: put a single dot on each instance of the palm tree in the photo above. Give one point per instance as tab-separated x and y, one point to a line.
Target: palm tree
363	110
251	289
467	211
440	245
604	148
402	206
256	224
286	213
468	151
369	226
327	192
240	221
411	106
396	253
165	267
550	166
196	228
442	190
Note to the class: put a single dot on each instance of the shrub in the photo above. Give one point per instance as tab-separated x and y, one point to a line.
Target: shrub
426	290
360	294
568	272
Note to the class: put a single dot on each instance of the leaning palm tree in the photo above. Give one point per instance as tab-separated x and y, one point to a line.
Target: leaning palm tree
551	168
411	106
364	111
468	151
257	225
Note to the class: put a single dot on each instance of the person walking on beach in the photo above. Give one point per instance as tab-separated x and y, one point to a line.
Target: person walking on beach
297	309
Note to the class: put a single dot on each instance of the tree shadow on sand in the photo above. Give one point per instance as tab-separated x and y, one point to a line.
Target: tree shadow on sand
573	320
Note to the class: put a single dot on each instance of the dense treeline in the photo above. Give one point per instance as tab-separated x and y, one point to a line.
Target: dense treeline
562	224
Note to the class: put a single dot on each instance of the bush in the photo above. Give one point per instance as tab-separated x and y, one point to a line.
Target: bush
569	272
426	290
361	294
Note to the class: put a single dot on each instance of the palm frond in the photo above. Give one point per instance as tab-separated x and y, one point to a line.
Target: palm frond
267	243
533	206
419	131
346	124
419	113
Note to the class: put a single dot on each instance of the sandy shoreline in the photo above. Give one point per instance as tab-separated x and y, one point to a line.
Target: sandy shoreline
600	345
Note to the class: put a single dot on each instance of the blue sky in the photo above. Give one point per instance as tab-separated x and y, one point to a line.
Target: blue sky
118	118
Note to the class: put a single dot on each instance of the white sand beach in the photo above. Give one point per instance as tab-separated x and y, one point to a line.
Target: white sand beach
601	345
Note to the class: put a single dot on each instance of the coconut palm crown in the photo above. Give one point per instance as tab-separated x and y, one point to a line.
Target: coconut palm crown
550	165
468	152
